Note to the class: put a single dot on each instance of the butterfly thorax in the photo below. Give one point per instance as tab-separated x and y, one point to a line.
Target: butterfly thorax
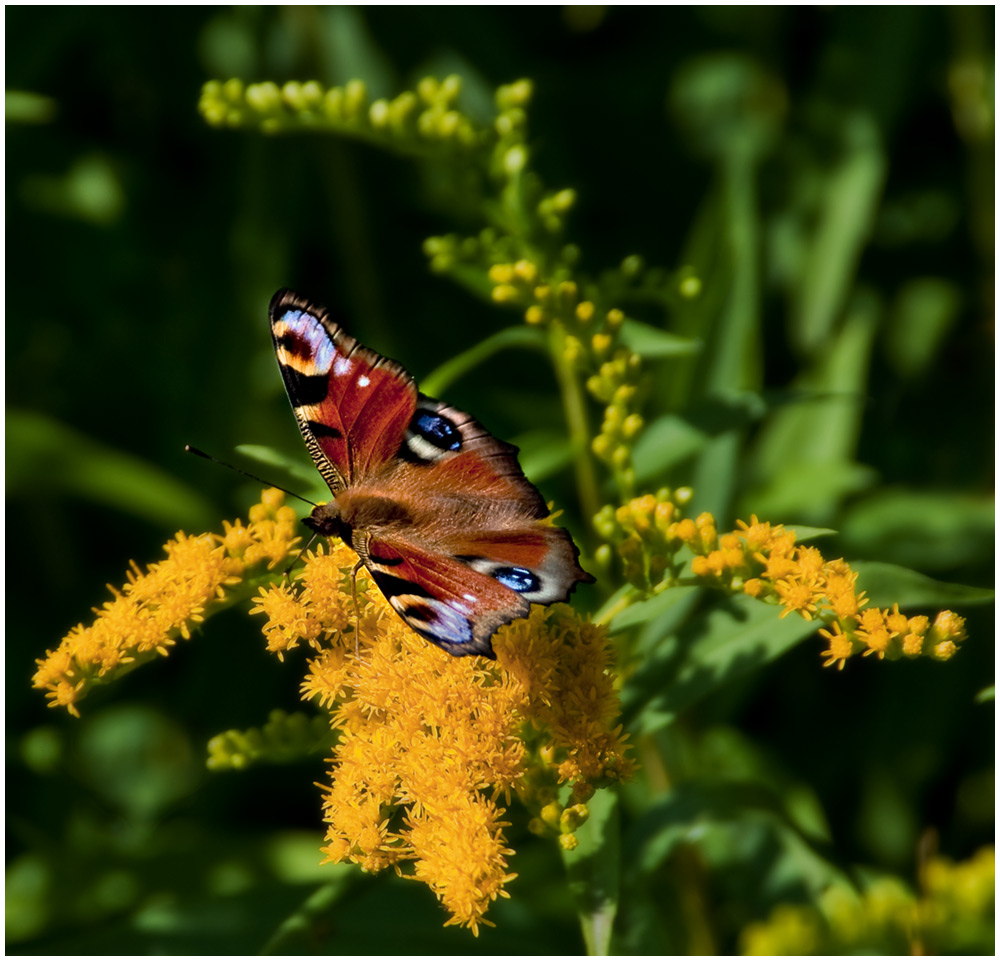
352	514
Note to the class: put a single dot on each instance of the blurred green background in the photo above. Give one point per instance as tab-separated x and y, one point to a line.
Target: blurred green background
145	247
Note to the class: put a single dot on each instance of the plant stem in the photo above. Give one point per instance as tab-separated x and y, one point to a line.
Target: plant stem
575	410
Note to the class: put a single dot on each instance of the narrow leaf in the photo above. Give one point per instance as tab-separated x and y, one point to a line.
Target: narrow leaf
436	382
888	584
724	642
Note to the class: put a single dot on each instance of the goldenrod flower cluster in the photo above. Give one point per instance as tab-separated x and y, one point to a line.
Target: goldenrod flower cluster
765	561
954	915
590	343
429	747
647	532
412	121
285	737
164	602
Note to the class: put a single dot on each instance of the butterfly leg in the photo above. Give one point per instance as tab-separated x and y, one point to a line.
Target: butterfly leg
357	610
299	556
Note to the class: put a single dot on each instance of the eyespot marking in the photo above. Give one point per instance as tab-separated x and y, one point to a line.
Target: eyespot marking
518	579
437	430
430	437
303	337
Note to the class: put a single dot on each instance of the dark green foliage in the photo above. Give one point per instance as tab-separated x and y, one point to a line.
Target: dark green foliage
828	175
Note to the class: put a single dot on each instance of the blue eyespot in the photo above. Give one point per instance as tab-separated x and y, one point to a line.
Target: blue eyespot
436	430
518	579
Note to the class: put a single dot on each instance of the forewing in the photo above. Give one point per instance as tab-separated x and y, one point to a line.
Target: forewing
352	405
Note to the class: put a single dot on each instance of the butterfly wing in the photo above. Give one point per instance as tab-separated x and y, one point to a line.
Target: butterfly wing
470	545
352	405
438	509
458	600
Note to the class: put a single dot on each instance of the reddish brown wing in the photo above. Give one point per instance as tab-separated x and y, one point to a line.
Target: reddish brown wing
459	596
475	547
352	405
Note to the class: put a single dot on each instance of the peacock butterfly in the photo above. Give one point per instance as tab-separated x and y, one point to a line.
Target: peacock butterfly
437	509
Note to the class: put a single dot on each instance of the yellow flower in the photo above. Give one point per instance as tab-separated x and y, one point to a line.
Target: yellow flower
840	648
840	593
447	843
158	605
953	915
874	631
796	595
804	582
429	744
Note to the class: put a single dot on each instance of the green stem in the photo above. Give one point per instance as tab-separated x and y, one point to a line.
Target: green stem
593	869
607	615
575	410
302	931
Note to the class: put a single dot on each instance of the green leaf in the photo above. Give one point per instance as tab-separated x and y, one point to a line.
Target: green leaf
658	607
663	444
805	533
728	640
799	488
651	342
924	311
23	106
673	438
888	584
711	816
295	467
522	336
594	870
45	457
851	192
543	453
813	440
681	816
924	529
352	49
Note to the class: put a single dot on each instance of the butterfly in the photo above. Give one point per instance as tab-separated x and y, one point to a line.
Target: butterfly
436	508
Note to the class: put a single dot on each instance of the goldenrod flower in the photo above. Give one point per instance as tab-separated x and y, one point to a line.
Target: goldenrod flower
765	562
164	602
874	632
840	649
429	744
952	915
426	748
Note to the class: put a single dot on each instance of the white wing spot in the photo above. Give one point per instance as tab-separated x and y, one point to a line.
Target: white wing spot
363	381
341	366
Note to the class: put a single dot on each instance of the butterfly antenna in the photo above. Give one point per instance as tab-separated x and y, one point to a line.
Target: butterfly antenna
239	470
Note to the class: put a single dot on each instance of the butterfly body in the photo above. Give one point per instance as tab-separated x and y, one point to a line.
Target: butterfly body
437	509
